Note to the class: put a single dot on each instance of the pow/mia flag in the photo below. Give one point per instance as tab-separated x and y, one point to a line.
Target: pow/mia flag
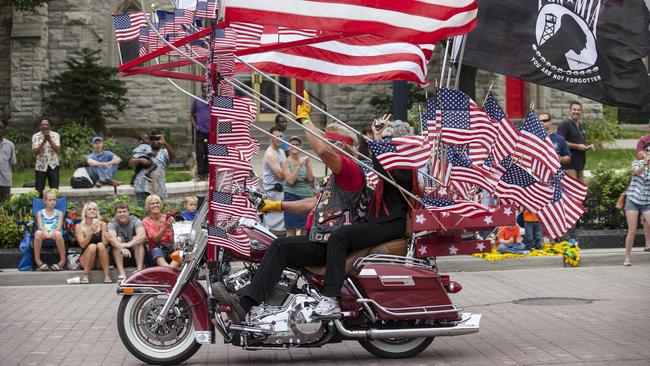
592	48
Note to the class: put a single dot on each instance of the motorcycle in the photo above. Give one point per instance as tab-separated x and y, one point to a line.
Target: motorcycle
393	303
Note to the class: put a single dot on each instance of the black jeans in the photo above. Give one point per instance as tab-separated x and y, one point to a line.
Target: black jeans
298	251
202	154
52	176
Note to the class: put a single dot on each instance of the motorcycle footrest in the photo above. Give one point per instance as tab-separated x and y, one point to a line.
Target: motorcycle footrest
334	316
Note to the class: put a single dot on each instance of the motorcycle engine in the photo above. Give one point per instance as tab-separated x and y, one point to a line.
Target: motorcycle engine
291	323
240	280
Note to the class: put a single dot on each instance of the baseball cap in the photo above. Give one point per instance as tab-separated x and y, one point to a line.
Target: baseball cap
96	138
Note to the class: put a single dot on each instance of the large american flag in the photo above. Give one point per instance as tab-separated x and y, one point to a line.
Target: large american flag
227	157
232	205
561	213
520	186
507	133
537	149
235	240
232	132
127	26
406	152
463	208
464	170
404	20
463	121
233	108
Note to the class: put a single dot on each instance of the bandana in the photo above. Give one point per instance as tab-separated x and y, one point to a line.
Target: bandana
337	137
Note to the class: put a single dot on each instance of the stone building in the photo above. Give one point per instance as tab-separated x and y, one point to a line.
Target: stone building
34	46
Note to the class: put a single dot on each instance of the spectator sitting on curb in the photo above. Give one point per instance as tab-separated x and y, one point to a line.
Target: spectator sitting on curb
127	236
7	159
103	164
509	240
160	232
93	240
49	222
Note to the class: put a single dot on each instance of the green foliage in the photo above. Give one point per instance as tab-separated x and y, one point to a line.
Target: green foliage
107	207
24	159
19	206
121	149
604	188
10	233
87	92
17	136
75	144
603	130
24	5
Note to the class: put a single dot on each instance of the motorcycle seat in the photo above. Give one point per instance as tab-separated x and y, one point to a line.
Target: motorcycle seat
393	247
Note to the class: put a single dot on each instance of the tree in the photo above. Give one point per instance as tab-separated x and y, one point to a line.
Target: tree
87	93
24	5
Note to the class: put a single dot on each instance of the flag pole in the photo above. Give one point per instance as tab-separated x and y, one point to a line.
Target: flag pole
444	62
460	61
486	94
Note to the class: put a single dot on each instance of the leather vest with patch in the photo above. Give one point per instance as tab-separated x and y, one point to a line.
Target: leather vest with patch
336	208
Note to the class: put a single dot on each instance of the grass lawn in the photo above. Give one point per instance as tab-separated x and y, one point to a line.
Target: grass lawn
609	159
26	176
633	134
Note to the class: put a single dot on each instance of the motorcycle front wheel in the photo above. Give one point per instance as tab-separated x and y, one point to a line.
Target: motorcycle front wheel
396	347
169	343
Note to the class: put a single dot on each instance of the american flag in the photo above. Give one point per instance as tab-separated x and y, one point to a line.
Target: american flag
573	188
249	35
127	25
507	134
538	150
233	108
183	16
236	240
406	152
463	121
237	178
230	205
521	187
463	208
561	214
371	177
206	8
166	23
232	132
404	20
464	170
227	157
429	124
439	168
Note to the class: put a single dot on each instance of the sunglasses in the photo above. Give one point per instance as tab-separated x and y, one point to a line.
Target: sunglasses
298	145
647	150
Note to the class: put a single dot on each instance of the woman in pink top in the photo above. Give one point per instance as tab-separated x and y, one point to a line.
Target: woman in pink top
160	232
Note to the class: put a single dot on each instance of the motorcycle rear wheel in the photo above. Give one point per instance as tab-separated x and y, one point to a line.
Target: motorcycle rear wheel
396	348
168	344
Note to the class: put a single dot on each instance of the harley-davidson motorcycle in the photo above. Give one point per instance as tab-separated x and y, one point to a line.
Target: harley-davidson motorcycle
393	302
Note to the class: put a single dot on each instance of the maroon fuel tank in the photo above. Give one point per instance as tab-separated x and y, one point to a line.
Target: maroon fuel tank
401	291
163	279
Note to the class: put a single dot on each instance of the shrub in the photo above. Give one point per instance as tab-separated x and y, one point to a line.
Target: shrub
604	130
19	206
121	149
604	188
75	144
18	136
10	233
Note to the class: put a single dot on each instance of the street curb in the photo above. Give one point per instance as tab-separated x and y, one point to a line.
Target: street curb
589	258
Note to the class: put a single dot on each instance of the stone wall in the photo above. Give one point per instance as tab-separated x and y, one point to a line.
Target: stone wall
5	64
351	103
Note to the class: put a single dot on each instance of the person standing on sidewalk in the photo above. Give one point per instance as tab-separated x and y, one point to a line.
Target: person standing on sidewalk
7	159
274	181
574	134
46	145
640	153
637	201
559	143
200	117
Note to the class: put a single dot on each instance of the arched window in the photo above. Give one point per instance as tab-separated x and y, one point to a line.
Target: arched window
128	50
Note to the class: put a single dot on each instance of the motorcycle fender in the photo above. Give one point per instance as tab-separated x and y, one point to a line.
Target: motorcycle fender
163	279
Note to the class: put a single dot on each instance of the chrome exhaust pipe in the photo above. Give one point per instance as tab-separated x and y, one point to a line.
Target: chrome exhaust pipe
468	324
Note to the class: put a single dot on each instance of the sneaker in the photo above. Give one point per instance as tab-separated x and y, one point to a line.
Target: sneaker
327	306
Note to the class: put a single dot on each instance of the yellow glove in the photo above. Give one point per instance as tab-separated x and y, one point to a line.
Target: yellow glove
304	109
271	206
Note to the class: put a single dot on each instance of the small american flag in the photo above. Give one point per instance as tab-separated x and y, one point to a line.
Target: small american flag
226	157
206	8
507	134
464	170
520	186
183	16
233	108
463	208
127	25
537	148
561	214
229	205
429	123
248	34
232	132
236	240
371	177
166	23
406	152
463	121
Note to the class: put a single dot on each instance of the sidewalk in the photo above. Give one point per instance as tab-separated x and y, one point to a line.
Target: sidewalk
466	263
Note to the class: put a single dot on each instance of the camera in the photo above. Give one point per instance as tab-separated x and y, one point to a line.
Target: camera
378	124
154	137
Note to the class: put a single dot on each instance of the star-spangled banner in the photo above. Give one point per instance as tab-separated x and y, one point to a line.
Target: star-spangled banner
573	188
537	149
232	132
237	108
127	26
507	134
519	185
464	170
236	240
463	121
406	152
206	8
227	157
561	213
463	208
232	205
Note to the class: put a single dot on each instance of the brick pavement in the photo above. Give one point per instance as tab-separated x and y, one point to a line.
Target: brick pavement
75	325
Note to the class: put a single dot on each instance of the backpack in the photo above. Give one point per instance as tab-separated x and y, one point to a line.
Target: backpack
81	179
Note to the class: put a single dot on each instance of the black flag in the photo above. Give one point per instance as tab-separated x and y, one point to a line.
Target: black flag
592	48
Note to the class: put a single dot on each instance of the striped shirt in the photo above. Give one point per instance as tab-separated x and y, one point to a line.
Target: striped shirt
639	189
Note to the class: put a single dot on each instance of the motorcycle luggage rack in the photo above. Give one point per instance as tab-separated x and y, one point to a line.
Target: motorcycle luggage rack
392	259
414	310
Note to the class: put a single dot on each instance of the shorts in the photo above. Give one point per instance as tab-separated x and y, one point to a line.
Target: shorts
161	251
631	206
291	220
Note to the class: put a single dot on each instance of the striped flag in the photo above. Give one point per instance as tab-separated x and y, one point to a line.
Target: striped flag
520	186
573	188
232	205
561	214
430	121
235	240
232	132
463	121
464	170
206	8
404	20
227	157
463	208
507	133
233	108
537	149
371	177
127	26
249	35
406	152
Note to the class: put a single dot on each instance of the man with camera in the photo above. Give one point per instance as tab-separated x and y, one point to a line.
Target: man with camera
163	154
46	145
